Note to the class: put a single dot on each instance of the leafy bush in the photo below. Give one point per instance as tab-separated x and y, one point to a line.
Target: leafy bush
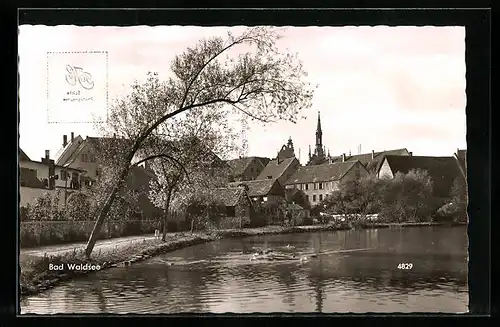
405	198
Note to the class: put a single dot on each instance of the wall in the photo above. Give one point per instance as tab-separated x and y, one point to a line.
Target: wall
385	170
60	232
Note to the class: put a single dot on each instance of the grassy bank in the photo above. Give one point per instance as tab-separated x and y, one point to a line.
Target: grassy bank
36	277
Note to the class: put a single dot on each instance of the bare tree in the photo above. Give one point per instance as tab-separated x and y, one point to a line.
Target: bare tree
261	82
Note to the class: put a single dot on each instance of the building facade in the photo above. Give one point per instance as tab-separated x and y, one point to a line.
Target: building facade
317	181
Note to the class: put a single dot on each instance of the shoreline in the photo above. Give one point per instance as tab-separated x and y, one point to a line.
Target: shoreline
37	277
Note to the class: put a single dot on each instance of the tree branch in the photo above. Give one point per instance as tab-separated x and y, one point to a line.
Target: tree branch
164	156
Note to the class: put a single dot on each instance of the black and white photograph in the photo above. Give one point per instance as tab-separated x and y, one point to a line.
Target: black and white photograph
242	169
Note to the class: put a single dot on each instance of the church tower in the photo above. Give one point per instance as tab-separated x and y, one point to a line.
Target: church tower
319	150
319	140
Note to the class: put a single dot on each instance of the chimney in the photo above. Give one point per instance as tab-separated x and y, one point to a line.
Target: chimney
410	153
72	136
373	154
47	154
343	157
65	140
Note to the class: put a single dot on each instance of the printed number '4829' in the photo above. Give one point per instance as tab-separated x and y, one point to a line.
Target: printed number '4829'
405	266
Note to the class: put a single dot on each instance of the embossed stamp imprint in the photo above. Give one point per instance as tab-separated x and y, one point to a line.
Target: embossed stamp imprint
77	87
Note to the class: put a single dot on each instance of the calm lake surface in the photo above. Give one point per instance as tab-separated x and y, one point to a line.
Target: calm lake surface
219	277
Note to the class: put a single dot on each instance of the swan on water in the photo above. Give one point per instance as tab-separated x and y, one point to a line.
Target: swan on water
254	257
289	246
304	258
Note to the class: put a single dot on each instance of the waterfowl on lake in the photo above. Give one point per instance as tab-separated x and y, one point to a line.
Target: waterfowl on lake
304	258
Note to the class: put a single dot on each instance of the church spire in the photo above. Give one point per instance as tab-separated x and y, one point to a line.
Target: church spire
319	152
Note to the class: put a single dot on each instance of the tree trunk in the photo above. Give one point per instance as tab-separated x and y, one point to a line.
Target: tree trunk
165	218
104	212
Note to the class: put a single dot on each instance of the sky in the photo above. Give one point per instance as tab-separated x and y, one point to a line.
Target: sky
379	87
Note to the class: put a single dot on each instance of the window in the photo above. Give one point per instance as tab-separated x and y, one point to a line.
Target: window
97	172
357	173
85	157
269	177
264	199
321	197
258	170
92	158
314	197
251	169
307	186
315	185
320	186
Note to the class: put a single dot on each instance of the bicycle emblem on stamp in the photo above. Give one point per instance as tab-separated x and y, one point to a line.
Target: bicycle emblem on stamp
77	87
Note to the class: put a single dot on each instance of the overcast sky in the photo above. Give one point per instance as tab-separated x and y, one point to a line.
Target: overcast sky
381	87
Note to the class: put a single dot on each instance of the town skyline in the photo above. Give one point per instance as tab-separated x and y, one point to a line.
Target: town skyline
411	81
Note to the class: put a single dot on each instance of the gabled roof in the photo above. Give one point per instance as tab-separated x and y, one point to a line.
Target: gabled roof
257	187
28	178
238	166
229	196
23	156
274	169
68	149
321	173
442	170
372	164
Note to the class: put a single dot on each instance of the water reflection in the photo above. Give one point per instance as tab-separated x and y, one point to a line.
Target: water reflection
219	277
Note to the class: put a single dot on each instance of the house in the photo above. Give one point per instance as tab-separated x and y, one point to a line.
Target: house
266	190
40	177
246	168
442	170
279	169
83	154
236	203
317	181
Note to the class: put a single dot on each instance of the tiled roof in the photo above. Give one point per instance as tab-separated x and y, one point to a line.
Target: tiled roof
320	173
228	196
257	187
442	170
23	156
274	169
372	164
28	178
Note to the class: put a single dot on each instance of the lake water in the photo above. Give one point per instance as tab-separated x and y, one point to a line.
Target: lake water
219	277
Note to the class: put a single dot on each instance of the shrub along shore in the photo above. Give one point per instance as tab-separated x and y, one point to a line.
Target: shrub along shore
35	275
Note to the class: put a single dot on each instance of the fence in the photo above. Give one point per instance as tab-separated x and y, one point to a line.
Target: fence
60	232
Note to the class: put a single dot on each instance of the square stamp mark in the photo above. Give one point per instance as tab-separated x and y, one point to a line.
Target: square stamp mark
77	86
